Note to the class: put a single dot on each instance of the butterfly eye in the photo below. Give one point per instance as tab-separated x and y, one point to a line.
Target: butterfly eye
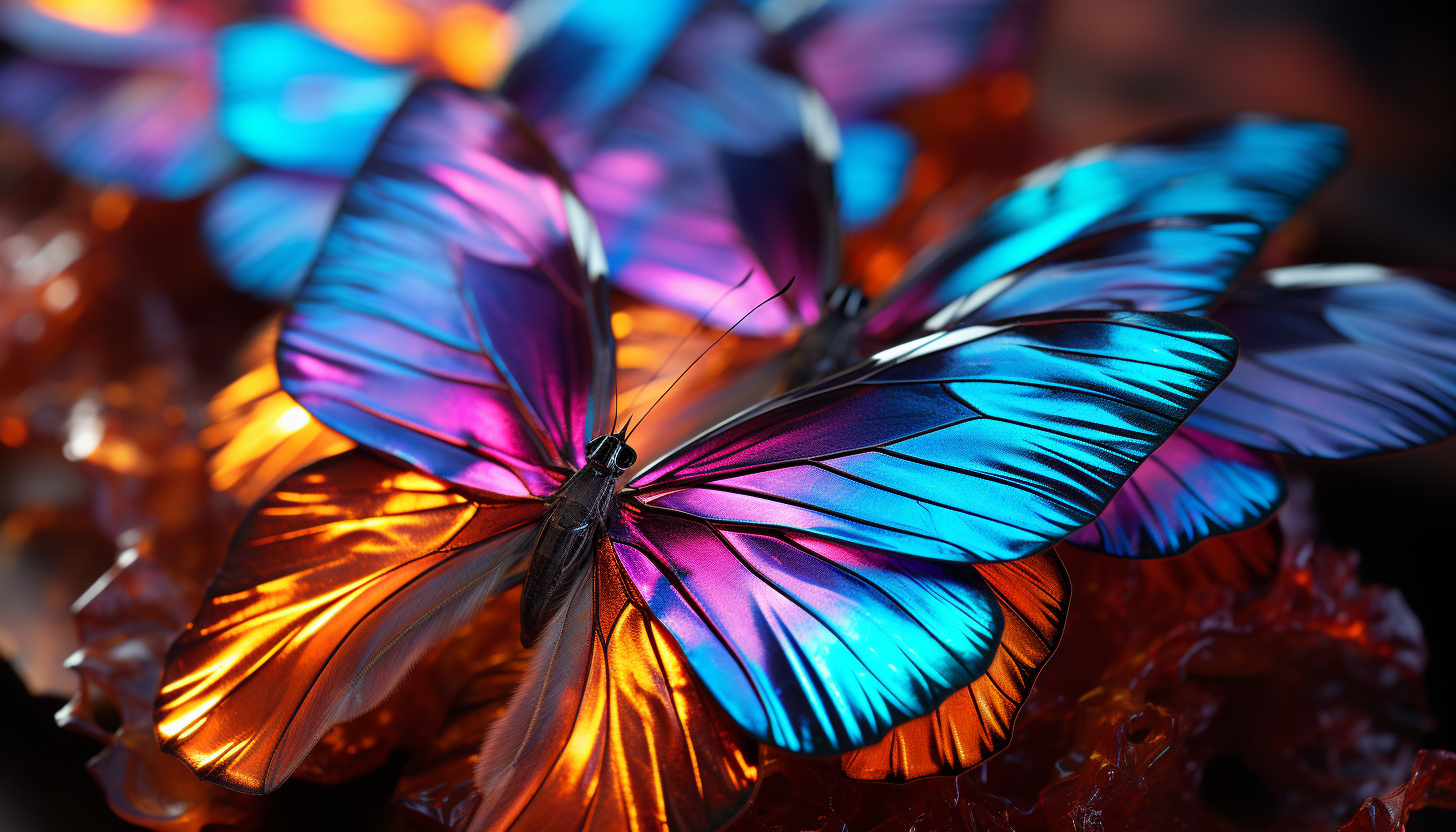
626	457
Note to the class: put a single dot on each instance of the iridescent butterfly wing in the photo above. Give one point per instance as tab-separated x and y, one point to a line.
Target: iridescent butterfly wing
865	55
581	60
717	168
1195	485
816	557
150	129
1255	168
1339	361
341	576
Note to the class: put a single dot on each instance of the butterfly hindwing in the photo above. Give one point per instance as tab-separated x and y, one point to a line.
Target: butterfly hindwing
608	728
335	584
455	317
264	229
976	721
1194	487
1339	361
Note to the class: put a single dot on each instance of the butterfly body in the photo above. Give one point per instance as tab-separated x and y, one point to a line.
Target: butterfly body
832	343
569	533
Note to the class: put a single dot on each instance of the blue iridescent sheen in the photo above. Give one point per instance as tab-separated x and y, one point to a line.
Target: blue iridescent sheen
1338	361
810	555
1179	264
264	229
455	317
292	101
150	129
584	59
982	444
811	647
1253	167
869	174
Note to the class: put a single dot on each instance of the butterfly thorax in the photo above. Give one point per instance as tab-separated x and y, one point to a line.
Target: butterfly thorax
829	345
569	533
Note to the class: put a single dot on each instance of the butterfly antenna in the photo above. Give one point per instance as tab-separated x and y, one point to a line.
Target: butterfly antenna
780	293
702	319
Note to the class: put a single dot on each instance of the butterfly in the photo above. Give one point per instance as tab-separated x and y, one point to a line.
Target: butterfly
812	573
724	157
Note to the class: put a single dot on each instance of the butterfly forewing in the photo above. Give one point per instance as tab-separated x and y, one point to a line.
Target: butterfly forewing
815	556
455	317
1255	167
1194	487
717	167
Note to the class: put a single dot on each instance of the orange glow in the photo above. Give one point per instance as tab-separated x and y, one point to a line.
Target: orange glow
258	434
883	268
621	324
112	206
117	17
473	43
1009	94
13	432
380	30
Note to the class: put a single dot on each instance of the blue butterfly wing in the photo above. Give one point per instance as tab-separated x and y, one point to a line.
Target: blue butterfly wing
869	174
456	317
718	167
1194	487
150	129
866	55
293	101
584	60
1338	361
814	557
1179	264
264	229
1254	167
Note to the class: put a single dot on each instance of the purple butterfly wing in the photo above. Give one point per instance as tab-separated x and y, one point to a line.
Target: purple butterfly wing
1254	167
455	317
814	556
865	55
151	129
1194	487
1338	361
718	166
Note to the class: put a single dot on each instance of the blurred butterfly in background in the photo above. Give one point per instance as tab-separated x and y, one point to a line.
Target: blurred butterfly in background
814	572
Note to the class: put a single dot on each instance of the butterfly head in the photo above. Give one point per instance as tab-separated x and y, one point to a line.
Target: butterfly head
610	454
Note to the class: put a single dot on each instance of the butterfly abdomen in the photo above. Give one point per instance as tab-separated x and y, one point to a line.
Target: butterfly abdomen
568	534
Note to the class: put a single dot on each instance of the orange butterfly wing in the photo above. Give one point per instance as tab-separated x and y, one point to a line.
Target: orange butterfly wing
337	581
976	721
609	731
